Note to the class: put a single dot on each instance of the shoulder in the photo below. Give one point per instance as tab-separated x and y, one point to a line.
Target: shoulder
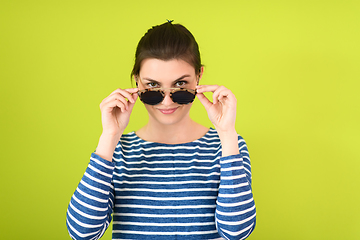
128	136
212	134
128	139
213	137
210	138
128	145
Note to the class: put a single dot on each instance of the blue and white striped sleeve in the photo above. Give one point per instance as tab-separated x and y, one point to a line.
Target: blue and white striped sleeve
235	214
90	208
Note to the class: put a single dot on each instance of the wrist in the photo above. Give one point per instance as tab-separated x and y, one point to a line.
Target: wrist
111	135
229	142
227	133
106	146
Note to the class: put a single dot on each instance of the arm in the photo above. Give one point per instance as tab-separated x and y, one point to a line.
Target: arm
235	214
115	114
222	113
90	208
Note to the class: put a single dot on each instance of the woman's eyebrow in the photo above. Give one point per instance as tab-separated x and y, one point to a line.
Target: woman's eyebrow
180	78
150	80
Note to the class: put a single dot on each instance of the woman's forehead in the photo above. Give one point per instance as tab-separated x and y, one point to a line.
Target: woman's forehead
157	69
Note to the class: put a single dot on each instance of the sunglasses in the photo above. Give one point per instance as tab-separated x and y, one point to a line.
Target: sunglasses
153	96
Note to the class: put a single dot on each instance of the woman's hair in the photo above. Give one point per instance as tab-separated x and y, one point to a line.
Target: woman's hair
166	42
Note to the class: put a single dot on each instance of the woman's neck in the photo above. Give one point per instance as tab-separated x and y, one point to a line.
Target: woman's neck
186	131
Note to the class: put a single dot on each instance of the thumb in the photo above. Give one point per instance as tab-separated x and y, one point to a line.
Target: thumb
130	104
204	100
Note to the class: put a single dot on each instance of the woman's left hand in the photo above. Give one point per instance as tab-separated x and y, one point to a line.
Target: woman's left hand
222	109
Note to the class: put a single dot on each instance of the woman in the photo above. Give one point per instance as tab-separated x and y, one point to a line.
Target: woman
173	178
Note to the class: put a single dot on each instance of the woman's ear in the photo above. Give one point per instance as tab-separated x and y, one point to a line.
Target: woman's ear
136	80
201	73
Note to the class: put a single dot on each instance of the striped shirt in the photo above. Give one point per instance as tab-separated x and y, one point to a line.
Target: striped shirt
165	191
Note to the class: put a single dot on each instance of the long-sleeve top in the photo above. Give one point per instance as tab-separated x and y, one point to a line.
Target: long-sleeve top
165	191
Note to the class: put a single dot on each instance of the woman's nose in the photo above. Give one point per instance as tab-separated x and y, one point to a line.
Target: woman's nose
167	99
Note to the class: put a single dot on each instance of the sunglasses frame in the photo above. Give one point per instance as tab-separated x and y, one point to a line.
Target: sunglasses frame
162	91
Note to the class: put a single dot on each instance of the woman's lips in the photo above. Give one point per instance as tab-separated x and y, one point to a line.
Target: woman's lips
167	111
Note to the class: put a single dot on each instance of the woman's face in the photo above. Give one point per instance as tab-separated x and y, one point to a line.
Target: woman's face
176	73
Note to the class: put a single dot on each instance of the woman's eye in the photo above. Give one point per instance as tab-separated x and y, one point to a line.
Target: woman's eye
180	84
152	84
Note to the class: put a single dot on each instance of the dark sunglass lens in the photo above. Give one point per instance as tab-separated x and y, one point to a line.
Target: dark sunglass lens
183	97
151	97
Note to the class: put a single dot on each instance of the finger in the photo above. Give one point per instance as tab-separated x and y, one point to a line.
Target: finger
119	94
204	101
109	106
220	93
131	105
116	97
223	94
127	93
206	88
130	90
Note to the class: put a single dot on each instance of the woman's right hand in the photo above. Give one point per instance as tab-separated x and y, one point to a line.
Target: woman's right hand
115	115
116	110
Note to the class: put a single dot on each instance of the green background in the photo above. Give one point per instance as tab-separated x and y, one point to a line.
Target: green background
293	65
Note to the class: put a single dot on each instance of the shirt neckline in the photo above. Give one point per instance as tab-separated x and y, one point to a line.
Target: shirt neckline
211	130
